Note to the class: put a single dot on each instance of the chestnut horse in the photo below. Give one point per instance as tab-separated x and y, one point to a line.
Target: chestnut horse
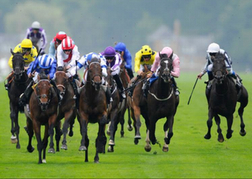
43	106
222	99
93	109
18	84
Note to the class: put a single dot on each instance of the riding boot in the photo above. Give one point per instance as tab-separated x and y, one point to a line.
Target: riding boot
8	83
130	72
76	94
120	86
146	87
57	91
175	87
24	97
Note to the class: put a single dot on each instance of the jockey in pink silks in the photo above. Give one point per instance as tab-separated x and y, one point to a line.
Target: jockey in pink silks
175	63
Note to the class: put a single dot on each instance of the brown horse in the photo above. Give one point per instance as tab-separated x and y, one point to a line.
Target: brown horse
222	99
116	109
43	106
67	110
18	84
93	109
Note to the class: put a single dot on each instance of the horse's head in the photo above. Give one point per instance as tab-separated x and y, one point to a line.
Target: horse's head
60	80
165	68
18	64
43	91
95	73
219	67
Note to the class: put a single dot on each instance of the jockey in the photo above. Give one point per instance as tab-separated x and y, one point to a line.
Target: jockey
44	62
114	60
29	56
56	41
83	62
67	56
145	56
126	57
212	50
37	35
175	64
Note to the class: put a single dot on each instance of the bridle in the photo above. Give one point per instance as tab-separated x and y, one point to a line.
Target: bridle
41	97
18	70
94	83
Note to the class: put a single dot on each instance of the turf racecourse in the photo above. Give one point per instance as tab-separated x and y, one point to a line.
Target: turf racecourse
190	155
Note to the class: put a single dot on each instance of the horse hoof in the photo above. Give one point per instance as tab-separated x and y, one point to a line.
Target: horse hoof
165	149
30	149
147	148
82	148
110	149
136	141
243	133
221	140
13	139
17	146
51	150
130	128
70	134
64	147
122	134
111	142
44	161
207	136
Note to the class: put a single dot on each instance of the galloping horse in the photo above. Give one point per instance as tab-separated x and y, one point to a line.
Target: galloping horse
43	111
116	110
222	99
67	109
161	102
138	102
18	86
93	109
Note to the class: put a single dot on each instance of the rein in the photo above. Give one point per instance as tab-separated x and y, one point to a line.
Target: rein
161	99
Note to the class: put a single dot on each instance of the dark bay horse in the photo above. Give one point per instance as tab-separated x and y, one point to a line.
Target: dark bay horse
67	110
222	99
161	102
116	109
43	106
18	85
93	109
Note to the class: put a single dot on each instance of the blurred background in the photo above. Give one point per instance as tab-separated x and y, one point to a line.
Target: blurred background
186	26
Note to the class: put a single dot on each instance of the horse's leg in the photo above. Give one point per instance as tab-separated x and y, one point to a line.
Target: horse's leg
83	128
45	142
121	120
130	128
68	117
71	123
168	130
243	103
147	147
30	133
209	124
101	139
14	125
36	127
112	129
86	144
137	123
152	129
58	134
220	136
229	125
51	123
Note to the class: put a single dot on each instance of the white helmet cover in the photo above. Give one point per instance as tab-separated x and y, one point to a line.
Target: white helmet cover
35	25
213	48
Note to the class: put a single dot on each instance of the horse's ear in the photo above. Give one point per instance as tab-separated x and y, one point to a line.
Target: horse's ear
162	55
11	51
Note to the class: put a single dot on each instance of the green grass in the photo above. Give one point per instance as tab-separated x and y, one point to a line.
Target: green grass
190	155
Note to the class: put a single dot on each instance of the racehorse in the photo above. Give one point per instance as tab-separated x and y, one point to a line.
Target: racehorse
67	110
138	102
222	99
93	109
43	106
18	85
116	110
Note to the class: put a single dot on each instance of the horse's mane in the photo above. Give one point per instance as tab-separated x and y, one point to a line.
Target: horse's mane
95	60
218	56
60	68
42	75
